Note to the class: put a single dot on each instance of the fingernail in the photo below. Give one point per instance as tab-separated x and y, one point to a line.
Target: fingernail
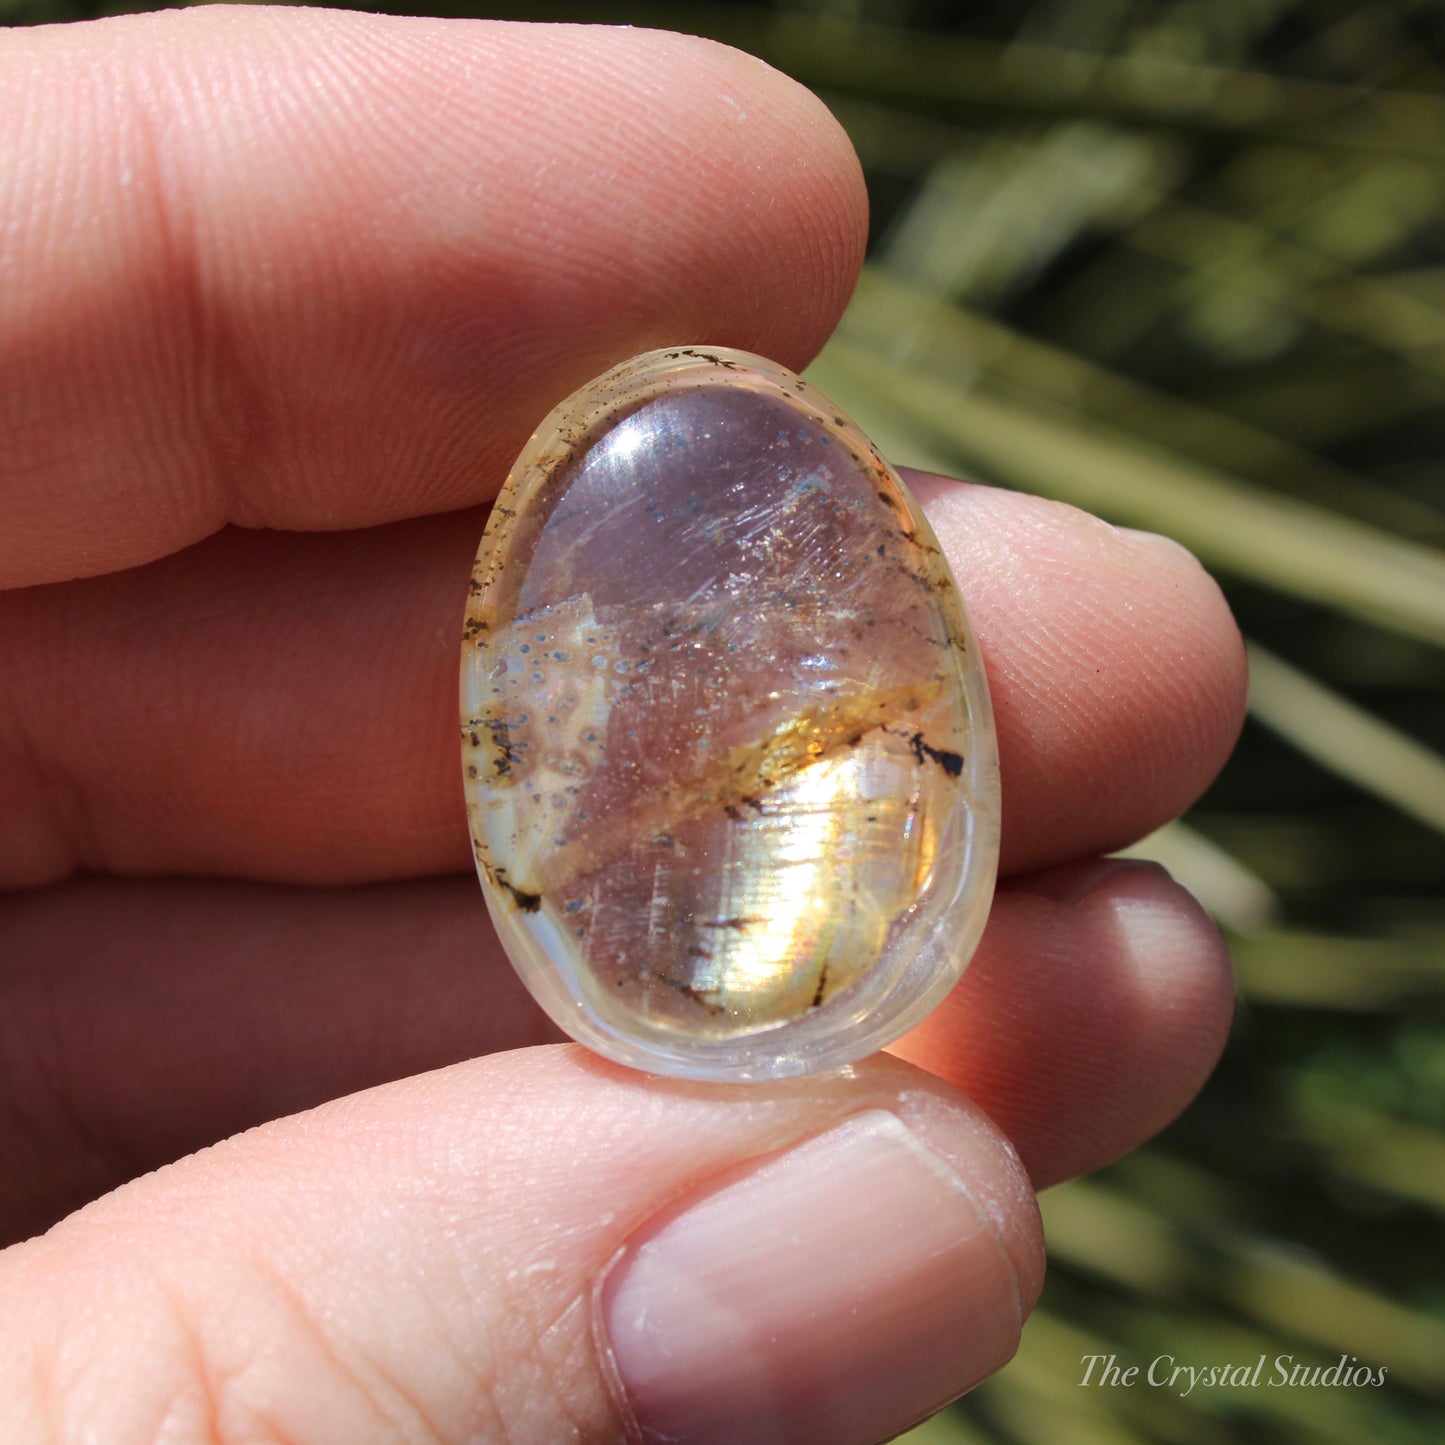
842	1291
1071	882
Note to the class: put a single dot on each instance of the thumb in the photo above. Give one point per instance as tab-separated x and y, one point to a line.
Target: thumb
538	1247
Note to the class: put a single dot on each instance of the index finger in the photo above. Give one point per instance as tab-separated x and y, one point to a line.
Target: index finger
310	269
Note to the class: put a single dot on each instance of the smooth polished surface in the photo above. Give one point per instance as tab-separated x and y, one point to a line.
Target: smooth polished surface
730	769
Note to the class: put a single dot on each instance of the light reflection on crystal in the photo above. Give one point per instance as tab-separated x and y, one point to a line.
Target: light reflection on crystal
729	760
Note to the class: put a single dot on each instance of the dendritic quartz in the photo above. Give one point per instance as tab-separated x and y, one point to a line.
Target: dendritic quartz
730	767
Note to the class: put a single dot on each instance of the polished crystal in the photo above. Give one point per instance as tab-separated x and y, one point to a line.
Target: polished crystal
730	767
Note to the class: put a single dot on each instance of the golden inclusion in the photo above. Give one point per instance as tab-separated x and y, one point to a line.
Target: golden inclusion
730	767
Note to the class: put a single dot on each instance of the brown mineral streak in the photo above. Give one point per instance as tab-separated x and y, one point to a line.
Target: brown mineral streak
743	775
753	798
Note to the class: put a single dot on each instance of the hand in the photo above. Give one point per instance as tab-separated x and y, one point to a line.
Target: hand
284	291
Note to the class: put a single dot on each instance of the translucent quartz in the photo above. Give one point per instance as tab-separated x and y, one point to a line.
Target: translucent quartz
730	766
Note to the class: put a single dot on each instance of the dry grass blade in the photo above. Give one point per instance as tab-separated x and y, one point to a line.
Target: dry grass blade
1278	542
1238	897
1346	739
911	326
1024	78
1372	1149
1127	1241
1298	968
1180	264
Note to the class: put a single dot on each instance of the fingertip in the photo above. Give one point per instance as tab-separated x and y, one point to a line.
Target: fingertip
1211	652
838	1291
1115	667
1100	999
1174	980
831	1256
316	269
798	138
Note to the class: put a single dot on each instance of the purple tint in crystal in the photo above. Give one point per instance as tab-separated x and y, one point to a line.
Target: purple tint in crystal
730	768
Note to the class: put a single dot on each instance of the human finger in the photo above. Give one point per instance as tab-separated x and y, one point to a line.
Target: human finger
1117	671
148	1019
1093	1012
533	1247
312	269
283	706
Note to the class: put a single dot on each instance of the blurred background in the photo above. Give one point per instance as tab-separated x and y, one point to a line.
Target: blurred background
1183	264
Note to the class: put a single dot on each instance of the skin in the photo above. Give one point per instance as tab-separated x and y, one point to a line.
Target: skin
284	294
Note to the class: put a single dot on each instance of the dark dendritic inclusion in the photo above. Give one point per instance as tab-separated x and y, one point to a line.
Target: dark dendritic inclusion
715	716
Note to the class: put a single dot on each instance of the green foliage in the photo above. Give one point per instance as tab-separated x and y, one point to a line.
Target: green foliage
1181	264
